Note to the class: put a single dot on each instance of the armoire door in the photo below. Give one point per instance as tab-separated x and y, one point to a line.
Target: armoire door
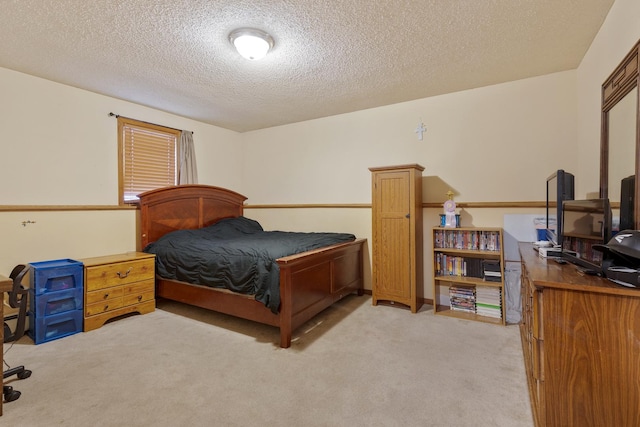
392	215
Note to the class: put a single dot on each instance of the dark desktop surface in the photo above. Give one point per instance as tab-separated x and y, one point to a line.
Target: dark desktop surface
548	273
582	265
564	256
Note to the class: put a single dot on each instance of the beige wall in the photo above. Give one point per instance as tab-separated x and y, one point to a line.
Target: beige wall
59	147
618	34
475	144
496	143
63	144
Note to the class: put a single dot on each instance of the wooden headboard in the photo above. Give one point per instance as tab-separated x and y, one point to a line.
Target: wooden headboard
182	207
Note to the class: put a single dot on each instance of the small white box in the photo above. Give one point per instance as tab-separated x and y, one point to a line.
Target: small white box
554	252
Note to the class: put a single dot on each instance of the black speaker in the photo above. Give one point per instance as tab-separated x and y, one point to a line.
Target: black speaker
627	196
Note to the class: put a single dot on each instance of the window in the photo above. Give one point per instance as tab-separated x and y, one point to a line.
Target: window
147	158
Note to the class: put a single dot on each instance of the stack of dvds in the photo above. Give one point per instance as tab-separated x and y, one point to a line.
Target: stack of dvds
489	301
491	270
462	298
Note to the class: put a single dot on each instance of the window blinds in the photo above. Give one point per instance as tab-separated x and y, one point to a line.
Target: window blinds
148	158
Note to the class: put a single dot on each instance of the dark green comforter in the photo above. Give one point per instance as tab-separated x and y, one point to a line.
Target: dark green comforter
236	254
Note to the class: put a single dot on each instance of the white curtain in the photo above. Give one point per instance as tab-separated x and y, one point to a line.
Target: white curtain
188	170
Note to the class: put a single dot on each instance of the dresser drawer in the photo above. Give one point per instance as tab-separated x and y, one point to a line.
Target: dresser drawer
104	294
102	307
108	275
139	292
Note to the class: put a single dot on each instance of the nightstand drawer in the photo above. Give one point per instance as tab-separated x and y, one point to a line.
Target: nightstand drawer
108	275
102	307
104	294
139	292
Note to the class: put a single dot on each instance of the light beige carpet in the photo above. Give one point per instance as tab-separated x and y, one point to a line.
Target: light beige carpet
352	365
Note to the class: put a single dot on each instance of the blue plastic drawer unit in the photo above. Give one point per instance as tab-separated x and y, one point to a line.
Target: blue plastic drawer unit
49	328
55	299
56	275
56	302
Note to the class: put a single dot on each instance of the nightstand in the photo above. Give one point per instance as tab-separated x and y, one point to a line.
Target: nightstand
115	285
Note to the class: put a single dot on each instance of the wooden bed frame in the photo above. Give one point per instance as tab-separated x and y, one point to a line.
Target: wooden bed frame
309	282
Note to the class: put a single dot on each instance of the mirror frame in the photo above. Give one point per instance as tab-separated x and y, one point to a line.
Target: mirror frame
623	80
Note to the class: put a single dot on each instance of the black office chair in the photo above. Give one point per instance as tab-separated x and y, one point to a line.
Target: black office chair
17	299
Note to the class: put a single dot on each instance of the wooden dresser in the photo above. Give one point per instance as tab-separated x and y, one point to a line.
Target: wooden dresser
117	284
581	343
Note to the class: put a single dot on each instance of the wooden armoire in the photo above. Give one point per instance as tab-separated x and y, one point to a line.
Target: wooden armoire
397	235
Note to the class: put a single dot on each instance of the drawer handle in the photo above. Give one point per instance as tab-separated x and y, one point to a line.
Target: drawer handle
139	298
106	307
106	296
122	276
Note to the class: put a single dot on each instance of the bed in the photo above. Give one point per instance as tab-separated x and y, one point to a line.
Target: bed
309	282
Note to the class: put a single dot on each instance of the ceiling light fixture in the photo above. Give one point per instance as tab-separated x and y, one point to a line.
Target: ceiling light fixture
251	43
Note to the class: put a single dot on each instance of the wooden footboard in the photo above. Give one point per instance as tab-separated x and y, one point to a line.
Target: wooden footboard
312	281
309	282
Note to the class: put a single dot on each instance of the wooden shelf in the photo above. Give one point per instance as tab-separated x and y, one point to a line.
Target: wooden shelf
445	310
467	281
467	261
470	252
583	236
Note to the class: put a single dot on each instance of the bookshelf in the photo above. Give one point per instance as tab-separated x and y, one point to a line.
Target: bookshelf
468	274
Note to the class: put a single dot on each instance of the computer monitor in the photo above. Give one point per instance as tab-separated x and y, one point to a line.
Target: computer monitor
560	187
627	201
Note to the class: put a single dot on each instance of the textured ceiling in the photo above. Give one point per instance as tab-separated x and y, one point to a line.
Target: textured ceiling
330	57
